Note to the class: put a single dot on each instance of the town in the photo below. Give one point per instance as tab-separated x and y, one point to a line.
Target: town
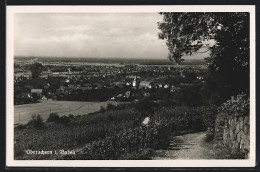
35	79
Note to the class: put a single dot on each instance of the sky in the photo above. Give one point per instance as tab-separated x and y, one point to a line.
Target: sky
126	35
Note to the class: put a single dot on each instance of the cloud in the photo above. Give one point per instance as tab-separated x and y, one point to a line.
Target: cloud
95	34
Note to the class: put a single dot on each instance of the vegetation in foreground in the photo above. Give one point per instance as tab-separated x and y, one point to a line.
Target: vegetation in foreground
116	133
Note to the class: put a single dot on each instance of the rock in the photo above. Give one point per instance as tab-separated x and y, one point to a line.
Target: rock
238	137
246	129
243	136
246	119
237	128
241	123
247	144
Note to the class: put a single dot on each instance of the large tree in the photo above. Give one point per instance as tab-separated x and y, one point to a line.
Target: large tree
229	58
36	69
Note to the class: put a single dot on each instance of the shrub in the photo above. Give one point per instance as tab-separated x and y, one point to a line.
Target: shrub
71	116
209	137
64	120
238	104
209	114
146	107
36	122
20	127
102	109
110	106
53	117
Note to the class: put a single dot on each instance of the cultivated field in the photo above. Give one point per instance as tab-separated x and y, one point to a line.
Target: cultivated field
23	113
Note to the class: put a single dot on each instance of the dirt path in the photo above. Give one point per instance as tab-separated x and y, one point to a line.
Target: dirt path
192	146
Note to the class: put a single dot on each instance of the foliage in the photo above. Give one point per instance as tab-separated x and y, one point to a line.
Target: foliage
113	134
81	130
53	117
209	137
64	120
110	106
238	104
229	57
183	32
146	107
36	69
36	122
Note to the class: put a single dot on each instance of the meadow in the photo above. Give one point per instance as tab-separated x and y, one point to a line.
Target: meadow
23	113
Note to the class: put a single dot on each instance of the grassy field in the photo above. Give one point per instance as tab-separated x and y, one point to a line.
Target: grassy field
23	113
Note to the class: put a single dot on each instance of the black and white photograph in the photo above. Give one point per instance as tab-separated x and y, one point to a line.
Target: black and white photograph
156	86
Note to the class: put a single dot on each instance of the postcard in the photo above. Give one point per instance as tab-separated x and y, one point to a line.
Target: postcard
130	86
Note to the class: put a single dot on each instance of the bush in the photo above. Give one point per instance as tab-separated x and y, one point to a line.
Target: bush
64	120
110	106
36	122
209	115
102	109
146	107
209	137
53	117
20	127
238	104
71	116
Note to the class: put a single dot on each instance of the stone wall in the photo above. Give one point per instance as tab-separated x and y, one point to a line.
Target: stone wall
233	131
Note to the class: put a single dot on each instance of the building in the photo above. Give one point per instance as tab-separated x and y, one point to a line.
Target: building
144	85
23	74
37	92
45	74
135	82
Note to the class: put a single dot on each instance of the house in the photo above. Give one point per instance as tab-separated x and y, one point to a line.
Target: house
37	92
166	86
134	82
159	85
23	74
200	78
44	98
45	74
128	83
55	74
144	85
119	96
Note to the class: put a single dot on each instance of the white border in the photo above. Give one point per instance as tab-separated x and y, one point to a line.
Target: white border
11	10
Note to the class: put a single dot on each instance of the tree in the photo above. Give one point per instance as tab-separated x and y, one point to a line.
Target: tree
36	121
229	57
36	69
183	33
